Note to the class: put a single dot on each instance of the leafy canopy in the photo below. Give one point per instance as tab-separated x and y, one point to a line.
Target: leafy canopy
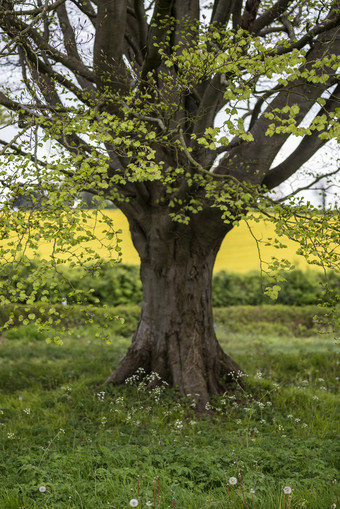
155	108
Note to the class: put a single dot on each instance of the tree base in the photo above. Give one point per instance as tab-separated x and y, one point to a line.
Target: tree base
202	378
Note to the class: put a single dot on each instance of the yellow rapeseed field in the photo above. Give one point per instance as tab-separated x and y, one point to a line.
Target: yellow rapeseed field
238	252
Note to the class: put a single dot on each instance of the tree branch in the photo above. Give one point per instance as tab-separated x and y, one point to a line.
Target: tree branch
38	10
70	44
222	11
85	7
249	14
305	150
309	186
142	24
308	37
157	33
16	29
270	15
18	151
109	45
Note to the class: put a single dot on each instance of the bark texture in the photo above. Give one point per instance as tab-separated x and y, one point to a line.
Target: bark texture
175	336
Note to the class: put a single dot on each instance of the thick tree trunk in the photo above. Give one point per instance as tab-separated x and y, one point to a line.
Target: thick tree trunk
175	335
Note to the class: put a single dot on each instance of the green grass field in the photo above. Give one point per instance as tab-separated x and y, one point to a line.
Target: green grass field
88	446
238	252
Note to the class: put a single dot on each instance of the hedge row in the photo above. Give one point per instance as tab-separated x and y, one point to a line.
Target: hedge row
280	319
120	284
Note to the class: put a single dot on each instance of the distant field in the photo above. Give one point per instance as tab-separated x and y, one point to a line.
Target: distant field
238	252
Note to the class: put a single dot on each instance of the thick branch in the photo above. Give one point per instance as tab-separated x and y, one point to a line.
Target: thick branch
270	15
109	45
308	37
222	11
157	33
249	14
306	149
70	43
142	24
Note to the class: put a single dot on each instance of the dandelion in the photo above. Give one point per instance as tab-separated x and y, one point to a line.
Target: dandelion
133	502
232	481
287	490
333	506
149	504
42	489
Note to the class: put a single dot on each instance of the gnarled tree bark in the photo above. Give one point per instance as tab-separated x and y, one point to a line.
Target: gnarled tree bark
175	336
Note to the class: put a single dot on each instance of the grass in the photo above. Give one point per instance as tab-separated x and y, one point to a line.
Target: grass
95	447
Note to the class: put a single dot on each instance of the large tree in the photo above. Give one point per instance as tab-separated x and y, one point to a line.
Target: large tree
175	111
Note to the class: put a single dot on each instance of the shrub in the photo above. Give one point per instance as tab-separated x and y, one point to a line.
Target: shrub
120	284
299	289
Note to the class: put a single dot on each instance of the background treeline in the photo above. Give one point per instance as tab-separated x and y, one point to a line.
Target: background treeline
113	286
